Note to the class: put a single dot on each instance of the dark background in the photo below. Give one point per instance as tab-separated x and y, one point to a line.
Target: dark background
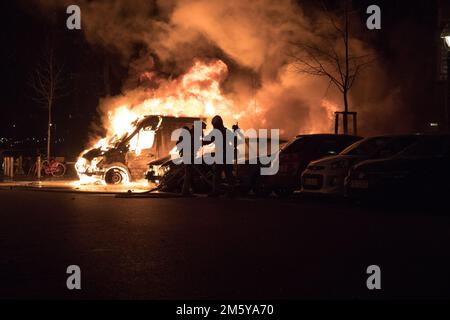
408	45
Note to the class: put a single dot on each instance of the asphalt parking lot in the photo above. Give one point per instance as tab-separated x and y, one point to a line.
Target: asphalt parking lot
207	248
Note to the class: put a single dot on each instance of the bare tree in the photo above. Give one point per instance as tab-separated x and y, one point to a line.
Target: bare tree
332	57
46	82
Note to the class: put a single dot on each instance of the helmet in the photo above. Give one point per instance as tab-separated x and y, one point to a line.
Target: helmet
217	122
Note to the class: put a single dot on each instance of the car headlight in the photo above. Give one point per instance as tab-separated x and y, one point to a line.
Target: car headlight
81	165
340	164
161	170
166	169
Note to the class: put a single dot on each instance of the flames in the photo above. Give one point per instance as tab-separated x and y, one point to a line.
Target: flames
197	93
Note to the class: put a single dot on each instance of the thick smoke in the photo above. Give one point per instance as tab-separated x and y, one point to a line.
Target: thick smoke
253	38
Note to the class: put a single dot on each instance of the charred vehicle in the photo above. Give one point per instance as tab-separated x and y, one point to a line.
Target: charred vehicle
126	159
170	176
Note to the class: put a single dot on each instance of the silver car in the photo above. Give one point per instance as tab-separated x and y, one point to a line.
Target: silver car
327	175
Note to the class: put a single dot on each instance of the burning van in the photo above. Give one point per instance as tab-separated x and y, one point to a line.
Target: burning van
125	159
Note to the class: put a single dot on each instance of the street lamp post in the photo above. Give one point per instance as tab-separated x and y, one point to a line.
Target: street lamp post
445	35
448	85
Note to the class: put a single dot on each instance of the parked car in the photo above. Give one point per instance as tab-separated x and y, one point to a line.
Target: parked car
326	176
295	157
169	176
123	161
421	171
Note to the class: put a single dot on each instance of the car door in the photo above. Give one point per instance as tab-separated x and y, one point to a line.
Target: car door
142	150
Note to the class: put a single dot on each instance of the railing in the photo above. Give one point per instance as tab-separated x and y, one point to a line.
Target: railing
8	167
13	167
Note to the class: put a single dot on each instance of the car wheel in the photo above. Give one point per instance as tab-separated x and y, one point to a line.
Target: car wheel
115	176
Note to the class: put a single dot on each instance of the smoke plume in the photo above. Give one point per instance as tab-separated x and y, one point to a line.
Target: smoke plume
253	38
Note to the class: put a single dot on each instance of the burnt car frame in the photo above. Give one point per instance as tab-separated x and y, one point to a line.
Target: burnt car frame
170	176
122	162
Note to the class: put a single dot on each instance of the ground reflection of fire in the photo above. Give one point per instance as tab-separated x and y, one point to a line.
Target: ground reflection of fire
96	185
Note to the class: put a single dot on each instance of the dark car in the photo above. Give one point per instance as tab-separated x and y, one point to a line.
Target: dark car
169	176
296	155
326	176
421	171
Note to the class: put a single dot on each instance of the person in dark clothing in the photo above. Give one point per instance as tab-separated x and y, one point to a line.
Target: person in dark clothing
1	165
180	142
187	168
221	166
195	135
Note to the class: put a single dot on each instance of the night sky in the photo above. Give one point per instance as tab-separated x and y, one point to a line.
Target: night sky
26	33
407	44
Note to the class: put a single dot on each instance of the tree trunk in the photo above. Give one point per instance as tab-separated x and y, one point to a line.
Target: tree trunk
346	81
345	120
49	131
50	105
447	116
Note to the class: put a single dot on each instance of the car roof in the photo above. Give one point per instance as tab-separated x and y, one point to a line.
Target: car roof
257	139
326	135
150	119
395	135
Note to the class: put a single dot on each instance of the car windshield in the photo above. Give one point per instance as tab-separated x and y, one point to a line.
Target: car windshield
320	145
295	146
366	147
397	145
432	146
255	147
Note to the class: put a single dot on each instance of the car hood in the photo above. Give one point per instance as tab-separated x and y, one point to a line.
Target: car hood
159	161
93	153
397	164
328	160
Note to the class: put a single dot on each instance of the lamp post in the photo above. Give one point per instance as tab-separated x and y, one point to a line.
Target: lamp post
445	35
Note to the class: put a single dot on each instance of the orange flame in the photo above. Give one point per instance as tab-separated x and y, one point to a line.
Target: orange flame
197	93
